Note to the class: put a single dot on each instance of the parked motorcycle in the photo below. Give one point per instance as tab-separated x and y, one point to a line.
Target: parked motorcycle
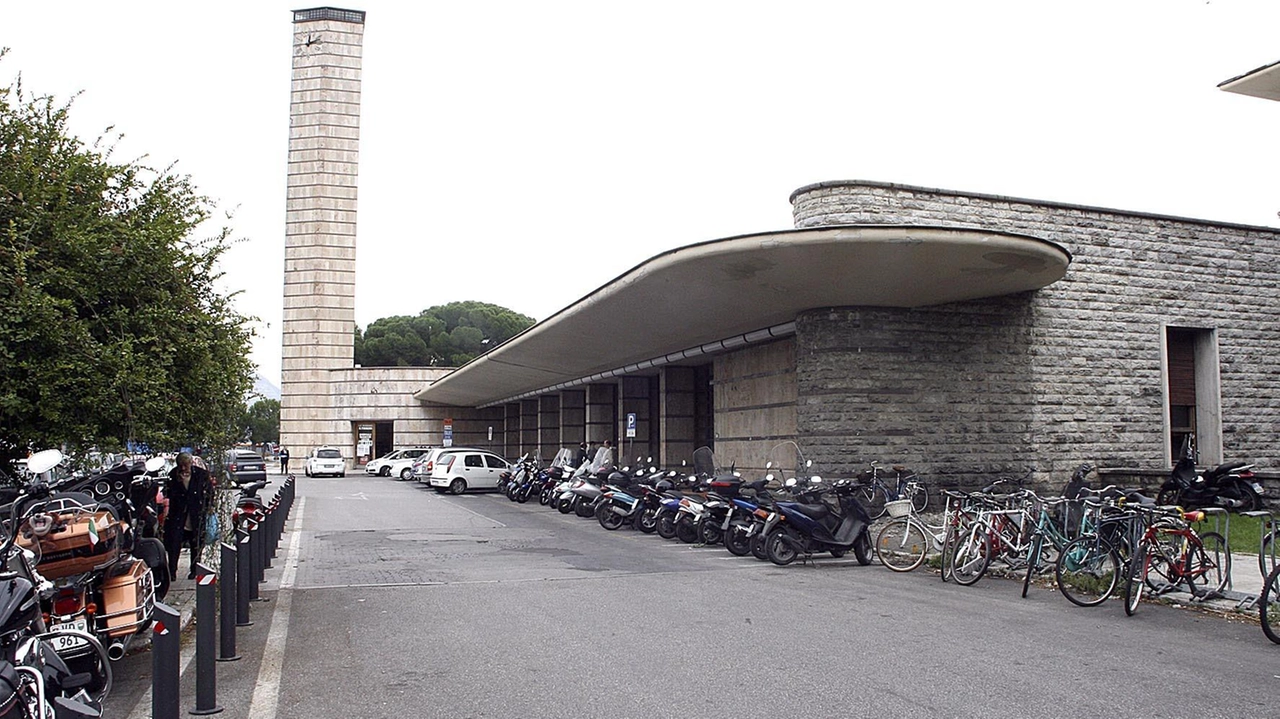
1230	485
249	507
808	528
101	570
35	681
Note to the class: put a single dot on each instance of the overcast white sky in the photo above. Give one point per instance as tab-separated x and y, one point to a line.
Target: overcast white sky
551	145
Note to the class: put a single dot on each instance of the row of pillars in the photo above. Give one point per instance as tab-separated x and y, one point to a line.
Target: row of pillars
224	600
671	412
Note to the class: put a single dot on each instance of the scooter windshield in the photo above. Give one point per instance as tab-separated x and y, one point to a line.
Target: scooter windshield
704	462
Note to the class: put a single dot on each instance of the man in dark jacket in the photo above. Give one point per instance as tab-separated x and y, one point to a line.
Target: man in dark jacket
188	490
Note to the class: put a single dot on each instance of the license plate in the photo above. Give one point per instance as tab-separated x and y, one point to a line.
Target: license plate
66	642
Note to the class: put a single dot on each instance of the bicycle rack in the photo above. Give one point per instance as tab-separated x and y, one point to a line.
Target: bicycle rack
1265	528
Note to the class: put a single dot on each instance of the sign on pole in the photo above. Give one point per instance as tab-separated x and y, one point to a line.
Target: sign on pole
448	432
631	425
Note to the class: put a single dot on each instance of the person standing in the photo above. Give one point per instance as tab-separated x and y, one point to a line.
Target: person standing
284	460
188	491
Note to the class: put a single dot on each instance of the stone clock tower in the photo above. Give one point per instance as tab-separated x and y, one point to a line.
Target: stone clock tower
320	226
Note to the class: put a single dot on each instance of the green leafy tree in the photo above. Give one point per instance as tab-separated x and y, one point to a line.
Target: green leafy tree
261	421
111	325
445	336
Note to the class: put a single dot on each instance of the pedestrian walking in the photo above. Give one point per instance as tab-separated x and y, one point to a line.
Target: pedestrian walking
188	492
284	460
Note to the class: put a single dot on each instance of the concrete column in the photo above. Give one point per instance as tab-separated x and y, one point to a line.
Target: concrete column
511	437
548	426
677	426
602	414
320	225
573	418
528	426
636	396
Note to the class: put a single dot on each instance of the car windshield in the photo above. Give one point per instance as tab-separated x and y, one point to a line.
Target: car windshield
328	454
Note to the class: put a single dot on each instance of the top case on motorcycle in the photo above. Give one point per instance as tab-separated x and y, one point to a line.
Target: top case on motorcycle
74	548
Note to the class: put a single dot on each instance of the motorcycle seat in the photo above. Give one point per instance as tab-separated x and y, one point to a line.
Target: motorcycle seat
813	511
1224	469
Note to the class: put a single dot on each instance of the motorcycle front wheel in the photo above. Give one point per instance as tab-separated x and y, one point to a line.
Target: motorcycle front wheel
686	529
609	519
780	549
737	541
862	548
666	525
646	521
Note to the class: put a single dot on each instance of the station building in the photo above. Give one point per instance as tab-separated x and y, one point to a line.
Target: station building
965	335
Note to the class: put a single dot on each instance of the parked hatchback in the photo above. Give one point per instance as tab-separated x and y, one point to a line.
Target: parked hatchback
245	465
458	470
382	466
326	460
424	465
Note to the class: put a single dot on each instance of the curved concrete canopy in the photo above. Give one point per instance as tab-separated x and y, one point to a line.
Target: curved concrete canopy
708	291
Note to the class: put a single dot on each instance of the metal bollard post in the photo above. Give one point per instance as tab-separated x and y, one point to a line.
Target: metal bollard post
267	551
243	577
228	604
206	637
254	555
165	690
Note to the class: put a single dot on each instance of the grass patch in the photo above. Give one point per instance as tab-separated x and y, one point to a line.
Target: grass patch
1245	532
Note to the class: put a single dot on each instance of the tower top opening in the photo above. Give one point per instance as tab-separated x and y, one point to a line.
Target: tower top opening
328	13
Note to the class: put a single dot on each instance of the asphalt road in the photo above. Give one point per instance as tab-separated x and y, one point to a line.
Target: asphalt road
400	602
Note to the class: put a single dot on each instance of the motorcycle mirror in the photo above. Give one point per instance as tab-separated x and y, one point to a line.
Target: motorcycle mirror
155	464
808	463
43	461
769	477
769	464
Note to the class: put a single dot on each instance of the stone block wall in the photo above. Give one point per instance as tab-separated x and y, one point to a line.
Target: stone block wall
1069	374
755	404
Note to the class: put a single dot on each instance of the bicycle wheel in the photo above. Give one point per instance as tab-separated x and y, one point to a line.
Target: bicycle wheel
972	556
1208	565
1087	571
873	497
901	545
1135	579
1033	562
948	549
1265	561
1269	606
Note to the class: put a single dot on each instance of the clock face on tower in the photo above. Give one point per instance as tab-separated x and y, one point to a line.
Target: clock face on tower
306	44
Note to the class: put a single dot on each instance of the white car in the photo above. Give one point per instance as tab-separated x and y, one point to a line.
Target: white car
326	460
423	466
461	469
382	466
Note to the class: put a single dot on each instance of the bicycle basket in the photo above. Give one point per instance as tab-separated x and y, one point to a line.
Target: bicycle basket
898	508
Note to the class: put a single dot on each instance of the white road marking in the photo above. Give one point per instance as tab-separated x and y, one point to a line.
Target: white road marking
266	695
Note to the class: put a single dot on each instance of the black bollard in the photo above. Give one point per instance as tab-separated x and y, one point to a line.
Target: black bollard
243	578
268	551
165	689
206	640
255	557
228	604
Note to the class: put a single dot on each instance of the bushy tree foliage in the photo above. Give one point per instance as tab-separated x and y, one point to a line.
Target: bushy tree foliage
111	326
445	336
261	421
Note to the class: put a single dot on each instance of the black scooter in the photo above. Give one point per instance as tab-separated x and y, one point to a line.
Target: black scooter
806	529
1230	485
